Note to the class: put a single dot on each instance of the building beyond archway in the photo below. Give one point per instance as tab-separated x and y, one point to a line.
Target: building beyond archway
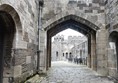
74	22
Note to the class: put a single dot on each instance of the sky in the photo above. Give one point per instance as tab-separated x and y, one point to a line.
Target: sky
69	32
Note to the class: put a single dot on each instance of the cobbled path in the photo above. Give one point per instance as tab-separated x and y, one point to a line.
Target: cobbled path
65	72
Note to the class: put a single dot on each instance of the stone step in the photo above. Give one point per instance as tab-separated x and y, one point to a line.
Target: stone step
35	79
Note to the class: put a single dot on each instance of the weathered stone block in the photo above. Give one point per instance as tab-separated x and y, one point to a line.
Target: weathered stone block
26	38
28	59
102	71
88	11
113	72
17	71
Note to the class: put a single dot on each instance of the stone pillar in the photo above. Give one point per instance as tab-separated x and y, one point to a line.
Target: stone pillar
101	41
93	51
89	52
49	52
42	65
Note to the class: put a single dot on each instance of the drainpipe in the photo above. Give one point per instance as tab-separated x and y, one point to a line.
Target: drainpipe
41	2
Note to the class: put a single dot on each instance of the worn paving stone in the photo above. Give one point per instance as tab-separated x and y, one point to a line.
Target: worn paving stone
64	72
35	79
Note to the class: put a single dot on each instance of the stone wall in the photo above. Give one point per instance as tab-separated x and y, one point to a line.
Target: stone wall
24	51
111	9
93	12
111	14
55	7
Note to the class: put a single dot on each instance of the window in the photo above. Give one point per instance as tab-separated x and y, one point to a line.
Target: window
56	53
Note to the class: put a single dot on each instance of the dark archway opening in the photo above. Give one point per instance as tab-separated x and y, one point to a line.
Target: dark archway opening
74	24
66	55
63	55
117	51
7	33
113	42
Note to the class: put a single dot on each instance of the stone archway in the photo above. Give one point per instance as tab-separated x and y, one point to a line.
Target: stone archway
7	34
113	54
79	24
17	21
10	32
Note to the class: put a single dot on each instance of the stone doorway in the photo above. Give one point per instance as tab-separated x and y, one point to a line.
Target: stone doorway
113	54
7	34
73	22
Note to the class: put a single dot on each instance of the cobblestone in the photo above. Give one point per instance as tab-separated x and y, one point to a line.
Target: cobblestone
64	72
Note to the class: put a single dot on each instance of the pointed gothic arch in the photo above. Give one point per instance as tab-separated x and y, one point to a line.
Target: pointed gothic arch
79	24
